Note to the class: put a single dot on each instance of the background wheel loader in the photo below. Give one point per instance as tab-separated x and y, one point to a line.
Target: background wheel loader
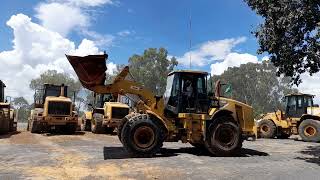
105	115
301	117
186	112
8	116
53	110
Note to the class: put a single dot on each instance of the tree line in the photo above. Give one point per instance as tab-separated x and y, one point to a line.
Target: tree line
254	84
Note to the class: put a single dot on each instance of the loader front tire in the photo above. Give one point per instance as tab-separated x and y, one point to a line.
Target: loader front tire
109	130
267	129
309	130
85	124
141	137
96	124
34	127
224	137
123	122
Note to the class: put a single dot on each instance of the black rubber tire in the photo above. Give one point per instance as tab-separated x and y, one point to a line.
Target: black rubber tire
85	125
96	124
199	146
34	127
4	126
123	122
71	128
128	135
283	135
109	130
270	131
217	130
315	124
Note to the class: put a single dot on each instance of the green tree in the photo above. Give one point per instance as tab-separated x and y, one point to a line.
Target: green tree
290	34
256	84
151	68
53	77
22	107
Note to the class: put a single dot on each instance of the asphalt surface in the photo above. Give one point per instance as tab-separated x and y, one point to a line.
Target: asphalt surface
89	156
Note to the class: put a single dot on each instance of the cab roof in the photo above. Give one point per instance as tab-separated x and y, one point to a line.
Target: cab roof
188	71
300	94
2	83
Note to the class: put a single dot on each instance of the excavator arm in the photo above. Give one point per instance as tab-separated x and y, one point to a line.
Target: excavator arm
91	71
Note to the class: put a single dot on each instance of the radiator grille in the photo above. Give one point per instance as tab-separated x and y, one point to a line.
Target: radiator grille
119	113
59	108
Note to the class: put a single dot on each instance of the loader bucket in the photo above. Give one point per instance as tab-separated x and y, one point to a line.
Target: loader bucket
91	70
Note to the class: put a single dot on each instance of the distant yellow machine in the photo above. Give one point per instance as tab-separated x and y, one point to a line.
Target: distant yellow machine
105	116
52	110
8	116
186	112
301	117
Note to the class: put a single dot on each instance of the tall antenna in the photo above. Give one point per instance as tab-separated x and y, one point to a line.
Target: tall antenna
190	36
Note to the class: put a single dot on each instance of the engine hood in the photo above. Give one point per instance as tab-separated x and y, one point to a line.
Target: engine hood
91	69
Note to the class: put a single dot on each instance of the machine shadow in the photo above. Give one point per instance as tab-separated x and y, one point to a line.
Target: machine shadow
120	153
59	133
8	135
314	152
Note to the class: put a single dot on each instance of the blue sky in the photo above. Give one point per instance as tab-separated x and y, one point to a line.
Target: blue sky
35	35
153	24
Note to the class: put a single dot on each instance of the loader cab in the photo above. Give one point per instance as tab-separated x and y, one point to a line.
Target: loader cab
49	90
186	92
2	86
297	104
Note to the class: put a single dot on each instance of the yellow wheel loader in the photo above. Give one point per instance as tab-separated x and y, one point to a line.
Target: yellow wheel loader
186	112
105	116
8	118
53	111
301	117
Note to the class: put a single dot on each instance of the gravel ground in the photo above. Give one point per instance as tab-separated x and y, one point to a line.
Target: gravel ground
88	156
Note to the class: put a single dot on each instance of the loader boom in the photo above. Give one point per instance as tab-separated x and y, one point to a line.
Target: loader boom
87	67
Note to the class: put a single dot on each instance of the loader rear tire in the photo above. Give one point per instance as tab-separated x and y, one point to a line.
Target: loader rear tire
141	137
96	124
309	130
224	137
267	129
123	122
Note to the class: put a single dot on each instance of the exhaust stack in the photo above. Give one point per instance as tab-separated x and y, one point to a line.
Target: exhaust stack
62	90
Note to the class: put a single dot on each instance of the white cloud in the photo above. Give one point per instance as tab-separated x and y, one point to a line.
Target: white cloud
112	68
90	2
310	85
124	33
106	40
63	16
232	60
210	51
35	50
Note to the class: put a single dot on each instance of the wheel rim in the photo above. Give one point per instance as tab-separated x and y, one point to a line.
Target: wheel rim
265	128
226	135
144	137
310	131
